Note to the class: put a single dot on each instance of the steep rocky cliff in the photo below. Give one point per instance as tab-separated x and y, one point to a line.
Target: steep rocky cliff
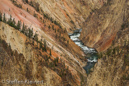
101	27
69	13
28	26
107	29
22	31
22	58
112	68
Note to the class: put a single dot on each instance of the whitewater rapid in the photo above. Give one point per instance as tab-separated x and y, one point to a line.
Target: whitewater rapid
75	37
91	52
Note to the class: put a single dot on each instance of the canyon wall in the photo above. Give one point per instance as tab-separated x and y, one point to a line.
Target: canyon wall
26	54
70	13
104	26
101	27
112	68
107	29
22	58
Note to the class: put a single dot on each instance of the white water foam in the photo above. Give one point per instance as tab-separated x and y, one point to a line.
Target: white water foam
94	60
75	37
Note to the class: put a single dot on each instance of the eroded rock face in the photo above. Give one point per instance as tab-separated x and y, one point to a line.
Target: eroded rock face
101	27
96	4
104	29
70	13
113	68
67	12
107	72
23	59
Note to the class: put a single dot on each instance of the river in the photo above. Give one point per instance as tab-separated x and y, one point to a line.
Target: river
91	53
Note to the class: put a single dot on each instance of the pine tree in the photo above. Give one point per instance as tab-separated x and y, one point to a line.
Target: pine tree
30	32
56	61
33	42
45	45
26	1
4	19
64	30
67	41
26	31
19	25
0	16
35	15
36	37
49	27
10	22
14	22
53	27
41	44
56	35
23	28
50	53
10	19
13	1
27	10
55	30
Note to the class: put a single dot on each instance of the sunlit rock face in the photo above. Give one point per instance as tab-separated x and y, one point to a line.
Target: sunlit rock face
107	28
70	13
23	60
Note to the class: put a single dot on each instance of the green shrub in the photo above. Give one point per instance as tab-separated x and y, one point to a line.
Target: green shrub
56	61
4	19
100	55
25	1
124	25
49	26
35	15
50	53
45	45
36	37
126	59
72	21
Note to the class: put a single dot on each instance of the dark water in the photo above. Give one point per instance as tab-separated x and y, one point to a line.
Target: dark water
92	59
91	54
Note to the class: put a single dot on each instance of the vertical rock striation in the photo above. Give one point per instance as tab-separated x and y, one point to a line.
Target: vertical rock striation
102	25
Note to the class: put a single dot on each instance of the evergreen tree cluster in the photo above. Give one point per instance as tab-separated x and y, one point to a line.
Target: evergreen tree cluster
16	4
11	21
25	1
44	48
23	28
